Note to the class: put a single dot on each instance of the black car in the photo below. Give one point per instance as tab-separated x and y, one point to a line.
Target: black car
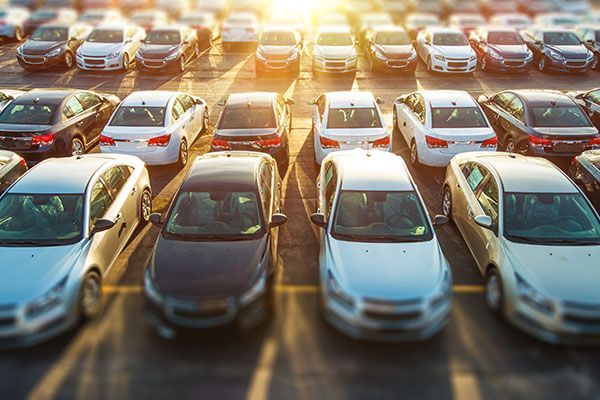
44	123
501	49
590	35
558	50
12	166
590	102
258	121
585	171
214	261
167	48
539	122
52	46
390	49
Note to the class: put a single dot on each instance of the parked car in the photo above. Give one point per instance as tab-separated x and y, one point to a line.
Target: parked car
371	213
589	101
48	15
334	51
390	49
8	95
372	21
45	123
558	50
440	8
415	23
557	20
446	50
348	120
536	7
590	37
279	49
585	172
12	22
332	20
532	239
12	166
577	7
28	4
257	121
149	18
216	7
491	8
397	9
156	126
462	6
501	49
100	16
70	217
438	124
296	21
170	47
52	46
540	122
205	25
516	21
175	8
239	28
110	47
466	22
214	262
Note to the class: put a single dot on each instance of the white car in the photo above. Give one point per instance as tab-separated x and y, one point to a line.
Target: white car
334	51
382	273
557	20
535	238
514	20
348	120
110	47
438	124
240	28
446	50
12	22
99	16
156	126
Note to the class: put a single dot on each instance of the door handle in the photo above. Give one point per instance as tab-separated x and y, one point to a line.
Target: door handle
118	217
470	212
133	190
404	123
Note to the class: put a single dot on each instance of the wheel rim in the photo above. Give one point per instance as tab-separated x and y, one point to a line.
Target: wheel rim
68	60
91	296
183	153
146	206
492	292
446	203
413	153
125	62
76	147
205	120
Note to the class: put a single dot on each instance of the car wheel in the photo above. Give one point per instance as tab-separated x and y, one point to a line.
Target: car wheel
414	154
521	147
77	148
205	121
145	206
447	202
183	154
494	292
542	64
125	62
68	60
90	296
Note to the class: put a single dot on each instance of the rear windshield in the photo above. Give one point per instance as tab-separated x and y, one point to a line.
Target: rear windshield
353	118
247	118
460	117
139	116
27	114
559	117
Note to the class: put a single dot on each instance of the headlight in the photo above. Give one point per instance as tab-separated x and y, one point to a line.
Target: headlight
555	55
172	56
335	290
532	297
444	291
379	55
150	290
20	50
54	52
528	55
590	56
114	54
255	291
494	54
440	58
412	55
293	56
49	300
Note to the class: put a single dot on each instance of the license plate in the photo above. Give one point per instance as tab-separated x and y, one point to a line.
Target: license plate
567	147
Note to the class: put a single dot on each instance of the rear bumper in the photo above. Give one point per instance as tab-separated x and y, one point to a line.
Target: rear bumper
157	156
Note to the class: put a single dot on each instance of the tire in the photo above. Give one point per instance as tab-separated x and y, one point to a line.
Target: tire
125	62
183	154
494	292
90	300
76	147
205	121
542	64
145	207
414	154
447	202
68	60
521	147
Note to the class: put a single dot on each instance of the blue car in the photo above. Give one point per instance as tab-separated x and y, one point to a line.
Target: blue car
501	49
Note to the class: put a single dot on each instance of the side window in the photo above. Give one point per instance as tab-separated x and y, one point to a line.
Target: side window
488	199
126	171
321	106
88	99
593	96
266	183
100	202
186	101
330	186
114	180
177	109
72	108
419	108
516	109
475	174
503	99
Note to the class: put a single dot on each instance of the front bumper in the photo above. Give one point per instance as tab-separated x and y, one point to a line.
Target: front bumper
509	65
568	65
99	63
40	62
335	66
395	64
449	66
277	65
156	64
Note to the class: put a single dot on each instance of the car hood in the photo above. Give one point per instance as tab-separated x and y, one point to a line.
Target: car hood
158	50
510	51
391	50
562	272
577	52
454	51
387	270
94	49
37	47
334	51
463	134
577	131
276	50
28	272
191	269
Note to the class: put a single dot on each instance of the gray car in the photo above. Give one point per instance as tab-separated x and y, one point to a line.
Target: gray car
535	238
62	225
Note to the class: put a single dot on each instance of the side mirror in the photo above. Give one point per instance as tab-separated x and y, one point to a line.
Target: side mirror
538	42
580	96
128	41
156	219
440	220
483	99
485	221
221	102
380	101
290	102
277	220
102	225
198	101
319	220
185	42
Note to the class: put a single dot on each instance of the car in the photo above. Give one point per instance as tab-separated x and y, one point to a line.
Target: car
348	120
216	7
438	124
334	52
585	172
110	47
12	20
100	16
446	50
45	123
466	22
462	6
99	4
149	19
440	8
205	25
590	36
577	7
12	166
491	8
589	101
279	49
169	47
517	21
533	237
501	49
134	5
540	122
70	217
255	121
371	21
370	212
296	21
52	46
536	7
239	28
415	23
48	15
215	259
558	50
8	95
28	4
156	126
175	8
390	49
557	20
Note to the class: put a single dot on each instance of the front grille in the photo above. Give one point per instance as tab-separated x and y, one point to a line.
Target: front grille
155	64
335	64
7	322
93	61
582	306
199	308
34	59
397	63
392	316
456	64
276	56
581	319
199	314
575	63
514	63
392	303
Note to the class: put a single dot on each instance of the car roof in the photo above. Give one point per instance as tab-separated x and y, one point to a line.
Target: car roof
64	25
150	98
448	98
553	30
45	96
544	97
372	170
350	99
250	99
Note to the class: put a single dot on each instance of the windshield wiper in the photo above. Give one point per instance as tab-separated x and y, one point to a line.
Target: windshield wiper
398	239
20	243
578	242
523	239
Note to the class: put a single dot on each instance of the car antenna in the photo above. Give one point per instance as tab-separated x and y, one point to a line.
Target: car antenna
36	100
143	102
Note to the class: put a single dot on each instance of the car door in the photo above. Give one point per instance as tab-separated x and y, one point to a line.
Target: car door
415	119
495	110
192	120
403	110
266	190
514	124
484	241
281	111
80	122
536	44
319	115
178	121
124	193
591	104
93	104
105	245
478	40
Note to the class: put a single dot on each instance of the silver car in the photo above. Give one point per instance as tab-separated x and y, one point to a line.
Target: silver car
535	238
382	273
62	225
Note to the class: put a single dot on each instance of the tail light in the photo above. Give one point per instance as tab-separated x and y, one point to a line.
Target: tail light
106	141
435	143
23	162
272	141
329	143
383	142
216	142
539	141
160	141
44	140
593	143
490	143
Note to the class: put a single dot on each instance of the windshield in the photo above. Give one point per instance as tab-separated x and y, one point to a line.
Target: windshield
194	20
423	21
505	38
163	37
550	218
247	118
40	219
334	39
240	21
91	16
211	215
143	18
139	116
106	36
561	39
450	39
278	38
377	216
50	34
559	117
392	38
353	118
43	15
459	117
27	114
